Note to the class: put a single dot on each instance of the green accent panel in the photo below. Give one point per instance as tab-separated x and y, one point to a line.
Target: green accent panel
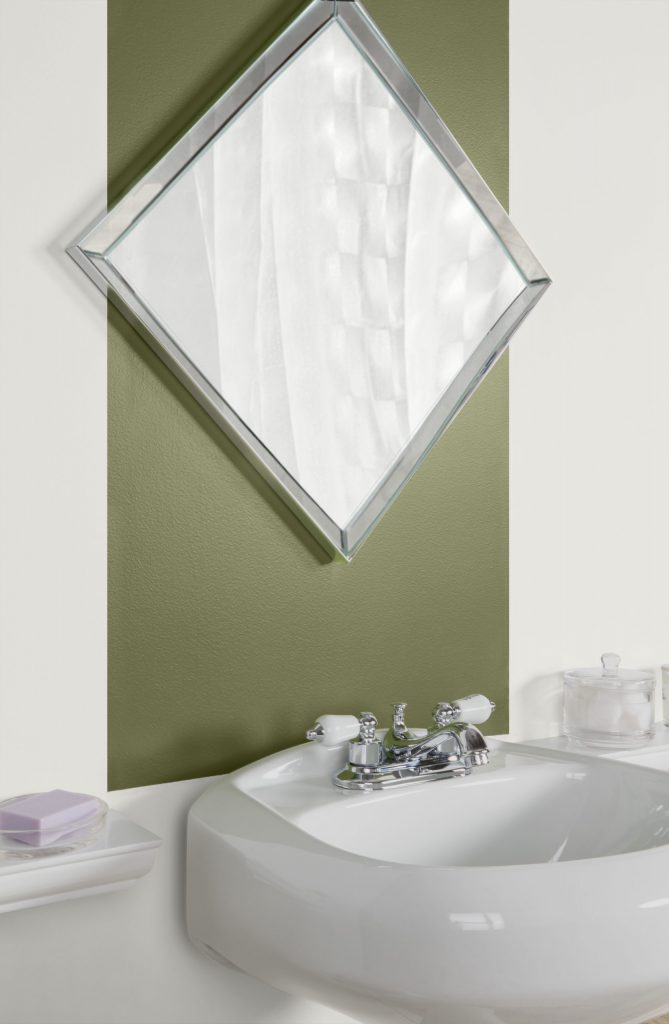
229	630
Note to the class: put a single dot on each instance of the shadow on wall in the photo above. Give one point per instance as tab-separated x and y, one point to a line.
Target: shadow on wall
541	701
213	77
215	435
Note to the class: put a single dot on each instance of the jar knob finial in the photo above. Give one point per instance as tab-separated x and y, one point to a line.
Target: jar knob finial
611	663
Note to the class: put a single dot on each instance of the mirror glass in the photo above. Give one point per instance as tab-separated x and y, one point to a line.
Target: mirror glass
323	275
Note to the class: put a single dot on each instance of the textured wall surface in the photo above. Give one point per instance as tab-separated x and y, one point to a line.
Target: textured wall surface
229	629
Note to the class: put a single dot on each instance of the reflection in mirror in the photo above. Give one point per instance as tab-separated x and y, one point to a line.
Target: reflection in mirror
320	271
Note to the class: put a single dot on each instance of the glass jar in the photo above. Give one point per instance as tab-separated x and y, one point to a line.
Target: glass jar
609	706
665	693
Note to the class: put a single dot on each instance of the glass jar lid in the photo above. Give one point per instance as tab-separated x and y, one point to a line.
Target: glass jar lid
611	675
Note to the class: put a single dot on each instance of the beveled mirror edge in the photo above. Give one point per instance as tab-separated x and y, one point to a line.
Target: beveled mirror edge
441	416
89	248
141	196
362	30
320	525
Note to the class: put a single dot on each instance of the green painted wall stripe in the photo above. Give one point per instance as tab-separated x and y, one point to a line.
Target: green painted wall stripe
228	629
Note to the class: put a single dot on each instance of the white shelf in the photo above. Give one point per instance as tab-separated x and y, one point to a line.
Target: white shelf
658	744
122	854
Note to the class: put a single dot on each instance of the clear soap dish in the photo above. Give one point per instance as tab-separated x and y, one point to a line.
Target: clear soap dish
29	844
609	706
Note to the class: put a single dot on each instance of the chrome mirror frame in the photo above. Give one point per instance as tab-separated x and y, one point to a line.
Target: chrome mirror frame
89	250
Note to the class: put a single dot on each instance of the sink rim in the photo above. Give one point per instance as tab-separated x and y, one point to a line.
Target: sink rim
275	773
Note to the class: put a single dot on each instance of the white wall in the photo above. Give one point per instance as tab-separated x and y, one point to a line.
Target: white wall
589	457
589	432
52	399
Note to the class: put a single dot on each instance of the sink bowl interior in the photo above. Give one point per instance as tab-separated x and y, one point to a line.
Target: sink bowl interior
518	810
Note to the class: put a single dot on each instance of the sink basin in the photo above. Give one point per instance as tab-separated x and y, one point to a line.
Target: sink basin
534	890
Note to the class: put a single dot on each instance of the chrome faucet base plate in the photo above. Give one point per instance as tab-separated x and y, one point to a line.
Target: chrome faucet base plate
373	779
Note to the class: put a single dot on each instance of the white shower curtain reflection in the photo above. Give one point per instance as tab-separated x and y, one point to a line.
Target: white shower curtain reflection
320	265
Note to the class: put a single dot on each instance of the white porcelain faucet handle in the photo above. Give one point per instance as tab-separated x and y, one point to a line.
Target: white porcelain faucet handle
333	730
474	709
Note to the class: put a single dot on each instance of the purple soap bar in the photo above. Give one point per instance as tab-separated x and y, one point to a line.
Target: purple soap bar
43	818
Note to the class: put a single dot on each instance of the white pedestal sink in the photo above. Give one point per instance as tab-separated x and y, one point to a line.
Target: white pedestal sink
534	891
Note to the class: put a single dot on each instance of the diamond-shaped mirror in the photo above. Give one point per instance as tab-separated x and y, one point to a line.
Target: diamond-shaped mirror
322	267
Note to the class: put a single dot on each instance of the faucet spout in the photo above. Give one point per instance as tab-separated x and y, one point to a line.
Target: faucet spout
453	742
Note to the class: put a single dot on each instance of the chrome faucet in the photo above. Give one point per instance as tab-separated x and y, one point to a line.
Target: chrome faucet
452	747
